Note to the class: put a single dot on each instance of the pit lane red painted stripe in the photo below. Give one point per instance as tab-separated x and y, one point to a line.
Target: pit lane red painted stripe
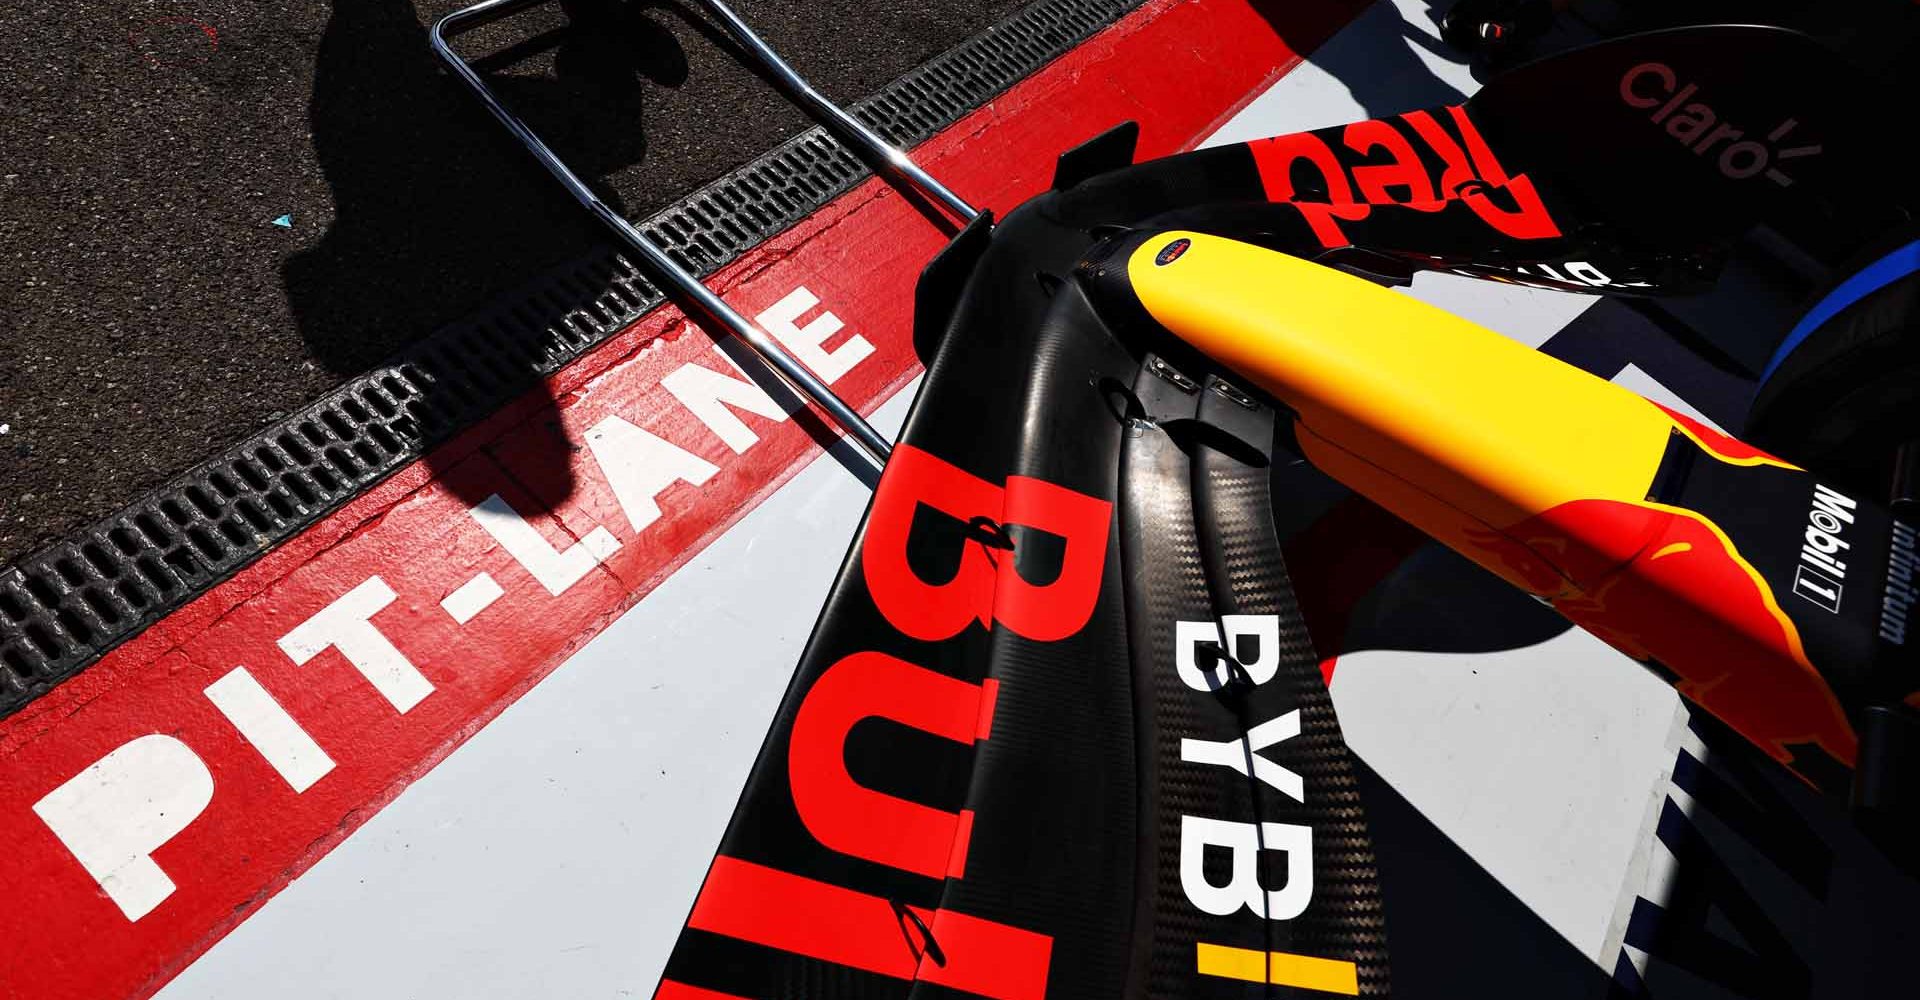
156	800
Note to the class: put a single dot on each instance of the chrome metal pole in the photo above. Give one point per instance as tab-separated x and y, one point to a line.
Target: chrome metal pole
886	156
655	260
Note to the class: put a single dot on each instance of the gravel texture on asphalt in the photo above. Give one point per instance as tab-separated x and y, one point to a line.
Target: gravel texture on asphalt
152	310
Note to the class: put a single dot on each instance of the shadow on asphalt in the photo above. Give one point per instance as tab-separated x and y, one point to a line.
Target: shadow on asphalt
434	201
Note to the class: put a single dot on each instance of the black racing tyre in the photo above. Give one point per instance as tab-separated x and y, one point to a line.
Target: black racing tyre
1848	394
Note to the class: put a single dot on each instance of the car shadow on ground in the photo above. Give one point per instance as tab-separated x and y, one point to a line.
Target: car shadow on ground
1385	57
1442	908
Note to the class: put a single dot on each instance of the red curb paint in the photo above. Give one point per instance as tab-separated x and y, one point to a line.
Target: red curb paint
858	256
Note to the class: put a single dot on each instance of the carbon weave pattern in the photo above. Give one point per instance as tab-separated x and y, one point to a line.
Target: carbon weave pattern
1199	544
1167	583
1234	502
1053	794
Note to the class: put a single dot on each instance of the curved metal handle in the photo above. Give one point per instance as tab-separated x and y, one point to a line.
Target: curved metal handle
659	265
883	154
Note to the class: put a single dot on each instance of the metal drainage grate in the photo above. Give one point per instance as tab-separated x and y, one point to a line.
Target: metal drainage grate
64	607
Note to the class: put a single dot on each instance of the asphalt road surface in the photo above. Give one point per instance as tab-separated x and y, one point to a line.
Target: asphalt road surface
152	311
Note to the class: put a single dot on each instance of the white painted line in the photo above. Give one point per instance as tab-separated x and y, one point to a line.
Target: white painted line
554	569
263	723
347	625
472	598
579	824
